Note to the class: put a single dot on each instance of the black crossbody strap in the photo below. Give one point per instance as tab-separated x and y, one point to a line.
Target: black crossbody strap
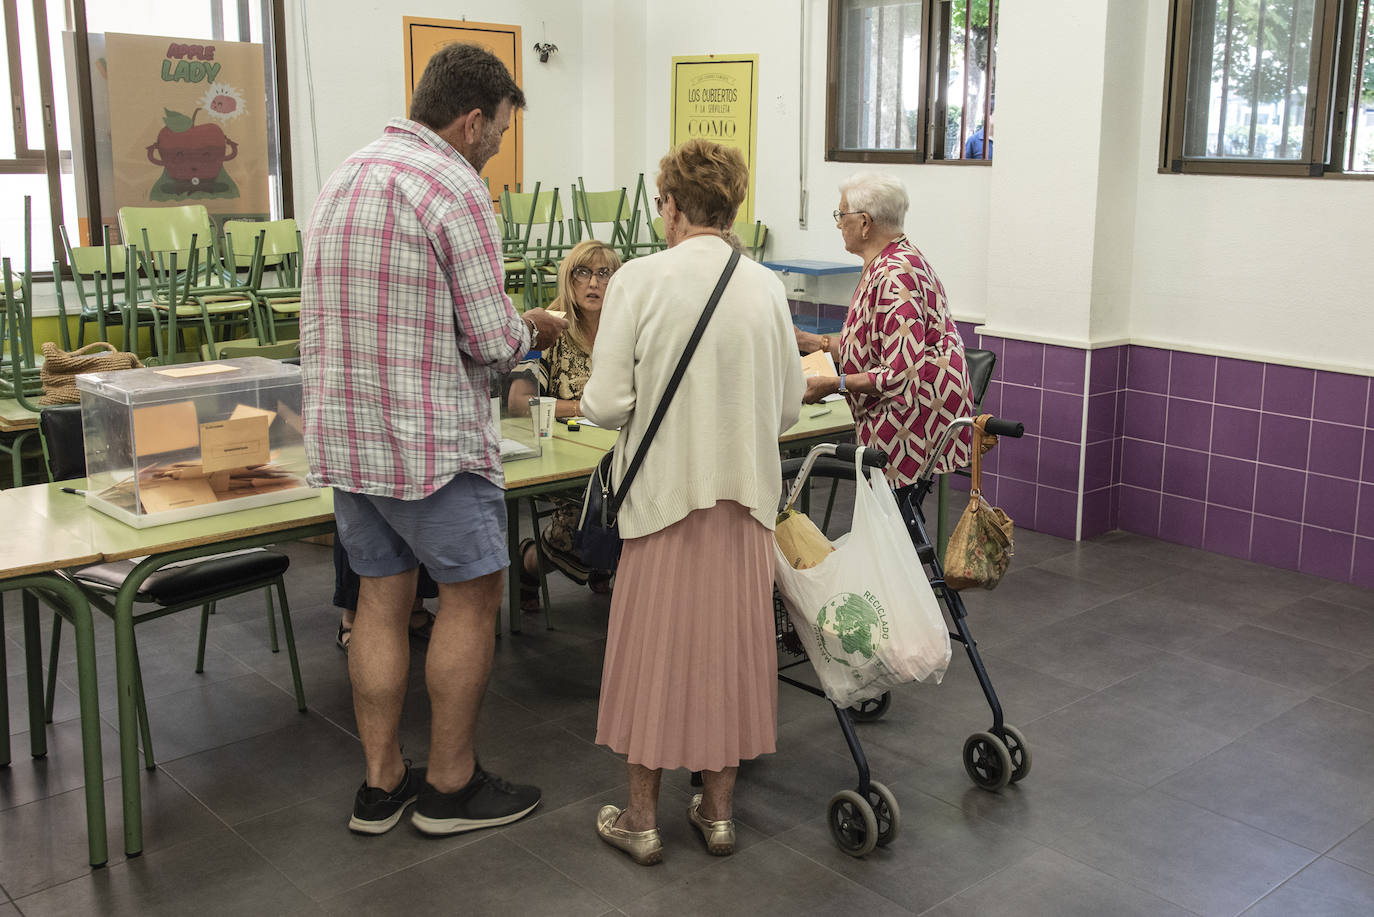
619	497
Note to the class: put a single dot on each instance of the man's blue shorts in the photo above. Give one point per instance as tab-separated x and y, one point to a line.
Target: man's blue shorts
458	532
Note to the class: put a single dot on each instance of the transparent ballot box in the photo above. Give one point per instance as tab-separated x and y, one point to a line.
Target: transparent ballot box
170	443
514	399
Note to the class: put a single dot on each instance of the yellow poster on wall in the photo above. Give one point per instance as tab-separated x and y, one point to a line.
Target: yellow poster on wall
187	123
715	97
425	36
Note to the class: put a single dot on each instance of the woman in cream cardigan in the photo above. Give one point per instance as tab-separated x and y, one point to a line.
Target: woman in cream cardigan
690	676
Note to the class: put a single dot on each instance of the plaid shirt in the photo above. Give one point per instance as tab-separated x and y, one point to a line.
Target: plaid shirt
403	321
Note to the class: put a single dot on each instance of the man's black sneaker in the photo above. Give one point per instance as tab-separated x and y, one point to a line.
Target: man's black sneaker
486	801
376	811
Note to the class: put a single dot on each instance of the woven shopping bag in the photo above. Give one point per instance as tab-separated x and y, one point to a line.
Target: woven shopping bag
60	368
980	547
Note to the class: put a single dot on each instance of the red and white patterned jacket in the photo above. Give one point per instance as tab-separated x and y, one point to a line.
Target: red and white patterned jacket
897	330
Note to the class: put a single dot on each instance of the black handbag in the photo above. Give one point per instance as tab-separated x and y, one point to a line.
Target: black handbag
598	533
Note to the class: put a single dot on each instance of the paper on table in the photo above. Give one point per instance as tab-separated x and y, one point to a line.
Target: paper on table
818	363
162	494
234	443
833	396
165	428
197	369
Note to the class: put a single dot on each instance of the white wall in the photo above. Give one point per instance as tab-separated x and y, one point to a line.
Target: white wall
352	80
1072	234
1270	267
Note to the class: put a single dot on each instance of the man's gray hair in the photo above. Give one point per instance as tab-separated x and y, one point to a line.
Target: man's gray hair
881	195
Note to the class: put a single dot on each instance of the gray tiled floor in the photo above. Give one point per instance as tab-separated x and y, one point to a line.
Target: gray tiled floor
1202	731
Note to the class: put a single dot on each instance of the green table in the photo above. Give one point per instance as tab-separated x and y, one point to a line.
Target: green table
31	553
565	463
158	546
17	424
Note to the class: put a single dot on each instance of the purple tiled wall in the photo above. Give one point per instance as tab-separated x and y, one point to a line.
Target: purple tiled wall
1261	461
1035	479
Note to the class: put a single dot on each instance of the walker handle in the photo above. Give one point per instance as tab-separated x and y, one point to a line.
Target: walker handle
872	457
997	426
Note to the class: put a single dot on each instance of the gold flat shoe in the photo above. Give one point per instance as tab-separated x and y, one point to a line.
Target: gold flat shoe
644	847
719	835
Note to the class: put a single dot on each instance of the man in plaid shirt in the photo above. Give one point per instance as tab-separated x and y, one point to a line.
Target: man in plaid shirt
403	321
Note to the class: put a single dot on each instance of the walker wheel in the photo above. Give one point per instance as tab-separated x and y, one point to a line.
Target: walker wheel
1020	753
987	761
886	810
872	709
852	823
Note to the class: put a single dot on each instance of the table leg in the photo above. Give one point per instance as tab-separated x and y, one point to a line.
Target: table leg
513	571
128	721
16	451
89	697
79	611
33	670
4	693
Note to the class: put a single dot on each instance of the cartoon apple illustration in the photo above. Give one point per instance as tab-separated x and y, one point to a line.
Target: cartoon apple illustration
222	102
191	153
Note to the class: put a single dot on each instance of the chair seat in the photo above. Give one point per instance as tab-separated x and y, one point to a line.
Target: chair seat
214	307
192	581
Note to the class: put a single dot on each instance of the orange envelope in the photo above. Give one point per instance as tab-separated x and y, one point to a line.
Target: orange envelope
163	494
234	443
162	428
818	363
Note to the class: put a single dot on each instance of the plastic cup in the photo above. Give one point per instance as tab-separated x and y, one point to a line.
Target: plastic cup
544	409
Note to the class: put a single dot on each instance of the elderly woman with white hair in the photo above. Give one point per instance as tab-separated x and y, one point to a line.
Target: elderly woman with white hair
899	354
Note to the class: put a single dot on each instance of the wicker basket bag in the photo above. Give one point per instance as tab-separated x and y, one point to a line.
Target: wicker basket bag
60	368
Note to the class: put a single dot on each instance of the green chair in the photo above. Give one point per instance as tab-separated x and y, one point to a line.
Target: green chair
279	251
653	240
18	363
753	236
177	251
96	272
197	584
535	238
608	209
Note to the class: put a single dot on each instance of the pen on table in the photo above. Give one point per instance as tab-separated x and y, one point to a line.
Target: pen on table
824	410
73	490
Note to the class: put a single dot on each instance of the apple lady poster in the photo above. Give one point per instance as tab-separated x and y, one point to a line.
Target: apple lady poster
188	123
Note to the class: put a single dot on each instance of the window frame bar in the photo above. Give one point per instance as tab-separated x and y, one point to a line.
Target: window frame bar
1348	163
1326	46
925	149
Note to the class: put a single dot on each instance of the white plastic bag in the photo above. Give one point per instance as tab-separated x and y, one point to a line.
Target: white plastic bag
866	614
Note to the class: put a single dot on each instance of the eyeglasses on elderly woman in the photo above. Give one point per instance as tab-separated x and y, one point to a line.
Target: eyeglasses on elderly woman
844	213
585	274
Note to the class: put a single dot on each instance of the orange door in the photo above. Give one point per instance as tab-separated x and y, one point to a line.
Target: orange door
425	36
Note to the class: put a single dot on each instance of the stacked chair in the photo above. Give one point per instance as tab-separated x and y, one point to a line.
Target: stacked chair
534	238
179	254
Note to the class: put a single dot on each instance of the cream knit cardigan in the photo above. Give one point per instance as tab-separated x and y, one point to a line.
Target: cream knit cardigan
743	387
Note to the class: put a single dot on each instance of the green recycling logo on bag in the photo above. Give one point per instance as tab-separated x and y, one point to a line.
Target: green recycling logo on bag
849	628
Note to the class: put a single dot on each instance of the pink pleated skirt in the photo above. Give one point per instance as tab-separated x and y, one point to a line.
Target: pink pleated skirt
690	677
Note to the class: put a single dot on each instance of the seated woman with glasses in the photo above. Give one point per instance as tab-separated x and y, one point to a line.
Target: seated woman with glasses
562	373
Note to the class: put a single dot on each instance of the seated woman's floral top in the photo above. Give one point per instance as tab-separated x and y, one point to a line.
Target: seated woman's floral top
900	332
564	369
